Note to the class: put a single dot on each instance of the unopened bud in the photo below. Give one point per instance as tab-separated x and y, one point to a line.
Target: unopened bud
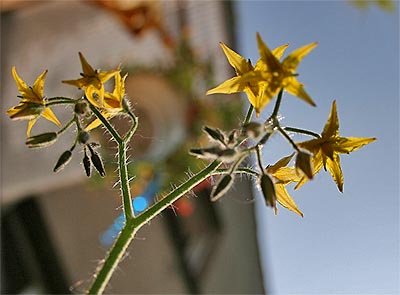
81	108
253	129
268	190
63	160
83	137
303	164
98	163
215	134
223	185
87	165
41	140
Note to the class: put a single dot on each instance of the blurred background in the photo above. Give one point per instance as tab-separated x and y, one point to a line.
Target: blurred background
56	228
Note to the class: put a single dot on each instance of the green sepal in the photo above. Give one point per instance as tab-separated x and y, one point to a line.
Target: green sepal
222	186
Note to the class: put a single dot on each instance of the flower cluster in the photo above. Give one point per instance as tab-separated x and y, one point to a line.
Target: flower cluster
109	104
261	83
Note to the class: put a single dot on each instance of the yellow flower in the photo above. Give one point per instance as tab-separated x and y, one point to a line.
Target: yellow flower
274	75
33	104
112	101
242	67
92	82
327	148
283	176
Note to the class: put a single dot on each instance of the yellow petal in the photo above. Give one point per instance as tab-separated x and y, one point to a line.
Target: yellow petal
346	145
312	145
285	199
25	111
229	86
334	169
95	95
287	175
293	59
86	67
96	123
239	63
279	51
295	88
281	163
30	125
331	128
80	83
105	76
39	84
49	115
267	56
26	92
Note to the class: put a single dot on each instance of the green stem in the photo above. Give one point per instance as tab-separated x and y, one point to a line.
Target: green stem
249	114
133	225
133	128
277	105
60	100
302	131
241	170
124	181
61	131
114	256
174	195
287	137
259	158
106	124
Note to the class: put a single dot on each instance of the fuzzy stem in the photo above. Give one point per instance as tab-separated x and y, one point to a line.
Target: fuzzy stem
124	181
302	131
106	124
133	225
249	114
287	137
114	256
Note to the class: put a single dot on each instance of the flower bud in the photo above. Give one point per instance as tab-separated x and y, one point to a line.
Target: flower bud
223	185
41	140
81	108
98	163
83	137
87	165
215	134
303	164
27	111
268	190
253	129
63	160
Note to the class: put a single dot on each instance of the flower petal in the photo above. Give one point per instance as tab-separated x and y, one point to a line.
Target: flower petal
285	199
281	163
26	92
331	128
229	86
39	84
30	125
334	169
86	67
346	145
239	63
295	88
105	76
80	83
49	115
267	56
294	58
317	163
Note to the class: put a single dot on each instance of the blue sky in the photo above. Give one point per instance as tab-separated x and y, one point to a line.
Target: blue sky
346	243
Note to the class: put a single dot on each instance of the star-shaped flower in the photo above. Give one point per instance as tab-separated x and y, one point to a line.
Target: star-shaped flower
242	66
327	148
33	104
92	82
274	75
283	176
113	102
